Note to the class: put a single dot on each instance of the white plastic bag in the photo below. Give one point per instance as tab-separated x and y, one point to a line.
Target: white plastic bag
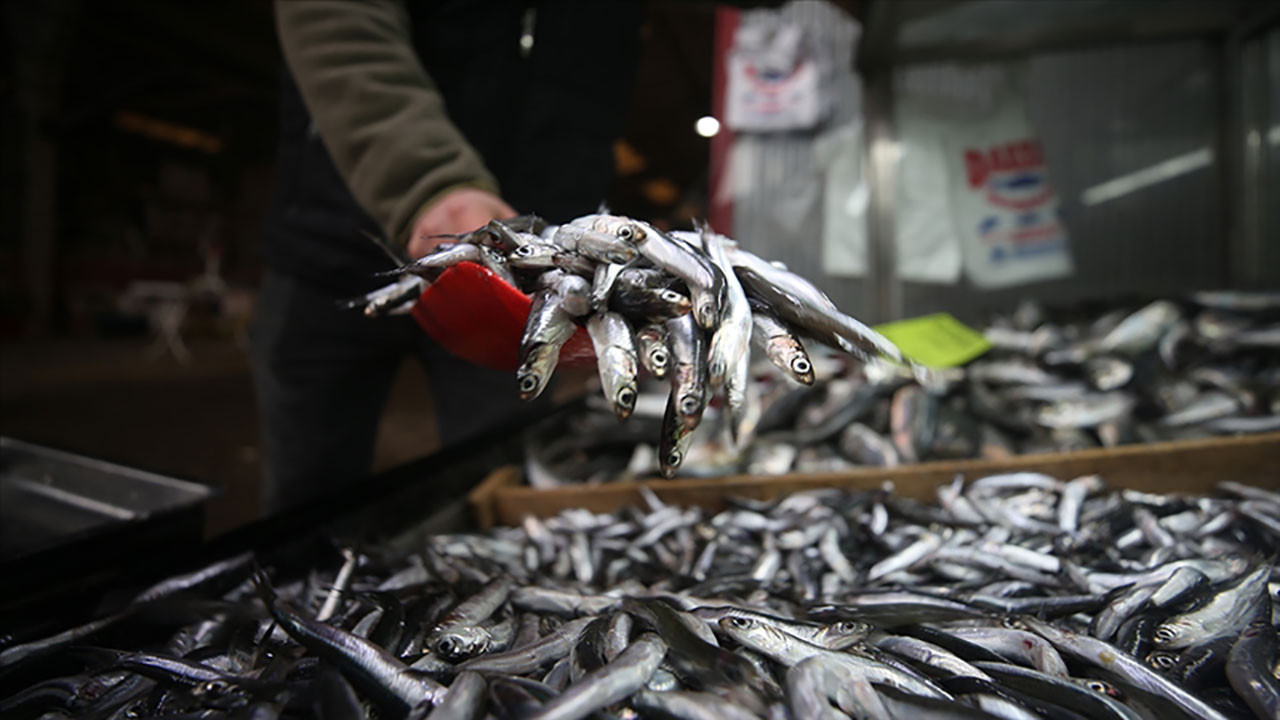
775	80
1004	207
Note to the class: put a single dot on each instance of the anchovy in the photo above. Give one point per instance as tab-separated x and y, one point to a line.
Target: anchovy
459	635
547	329
615	681
1085	411
688	705
779	344
1141	330
371	666
790	650
1250	668
728	353
651	342
1016	645
1059	691
442	257
681	259
600	246
534	256
1228	611
1113	661
530	657
1210	405
616	360
801	303
648	294
689	380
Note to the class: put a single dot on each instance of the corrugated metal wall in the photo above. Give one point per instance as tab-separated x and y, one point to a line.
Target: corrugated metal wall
1103	114
780	217
1100	114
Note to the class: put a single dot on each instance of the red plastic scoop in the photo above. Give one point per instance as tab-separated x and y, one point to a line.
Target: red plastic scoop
477	316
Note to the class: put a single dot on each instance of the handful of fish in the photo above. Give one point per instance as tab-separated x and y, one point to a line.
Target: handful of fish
1015	596
685	306
1165	371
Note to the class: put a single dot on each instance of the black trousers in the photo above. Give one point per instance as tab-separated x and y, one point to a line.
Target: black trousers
322	376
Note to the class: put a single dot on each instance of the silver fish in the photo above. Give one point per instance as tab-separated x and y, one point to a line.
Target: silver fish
729	352
651	341
680	258
615	359
546	330
1141	330
689	381
1085	411
802	304
779	344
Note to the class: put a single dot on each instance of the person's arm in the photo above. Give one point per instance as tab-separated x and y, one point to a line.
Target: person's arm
382	119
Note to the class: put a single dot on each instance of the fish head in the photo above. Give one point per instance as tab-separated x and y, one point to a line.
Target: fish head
659	356
624	401
691	403
606	246
533	375
1102	687
461	643
676	303
750	632
674	442
621	228
1171	633
533	256
215	688
706	311
844	634
1162	660
801	367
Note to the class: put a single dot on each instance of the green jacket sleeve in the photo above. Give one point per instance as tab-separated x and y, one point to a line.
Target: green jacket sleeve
381	117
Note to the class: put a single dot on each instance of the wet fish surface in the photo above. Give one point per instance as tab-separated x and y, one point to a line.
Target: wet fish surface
1019	595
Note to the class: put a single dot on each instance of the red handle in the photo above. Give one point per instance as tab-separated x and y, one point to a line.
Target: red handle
478	317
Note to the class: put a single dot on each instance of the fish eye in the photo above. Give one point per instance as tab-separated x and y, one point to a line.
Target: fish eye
688	405
670	296
741	622
800	366
214	687
446	646
525	250
675	458
1162	660
659	358
625	233
717	368
626	397
618	258
1164	633
528	383
848	626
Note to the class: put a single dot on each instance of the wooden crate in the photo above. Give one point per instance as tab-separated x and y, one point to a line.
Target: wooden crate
1187	466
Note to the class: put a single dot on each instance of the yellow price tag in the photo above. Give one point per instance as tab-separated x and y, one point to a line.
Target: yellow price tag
938	340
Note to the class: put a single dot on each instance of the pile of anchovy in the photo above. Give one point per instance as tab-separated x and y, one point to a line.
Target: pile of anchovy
1168	370
686	306
1015	596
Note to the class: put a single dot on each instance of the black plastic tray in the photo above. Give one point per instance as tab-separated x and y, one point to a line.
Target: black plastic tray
68	521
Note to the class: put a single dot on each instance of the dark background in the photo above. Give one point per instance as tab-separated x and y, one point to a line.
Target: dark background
137	146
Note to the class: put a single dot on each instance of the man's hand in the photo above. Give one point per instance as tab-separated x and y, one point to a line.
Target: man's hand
459	211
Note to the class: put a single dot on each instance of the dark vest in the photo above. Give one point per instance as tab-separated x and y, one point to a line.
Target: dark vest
544	124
